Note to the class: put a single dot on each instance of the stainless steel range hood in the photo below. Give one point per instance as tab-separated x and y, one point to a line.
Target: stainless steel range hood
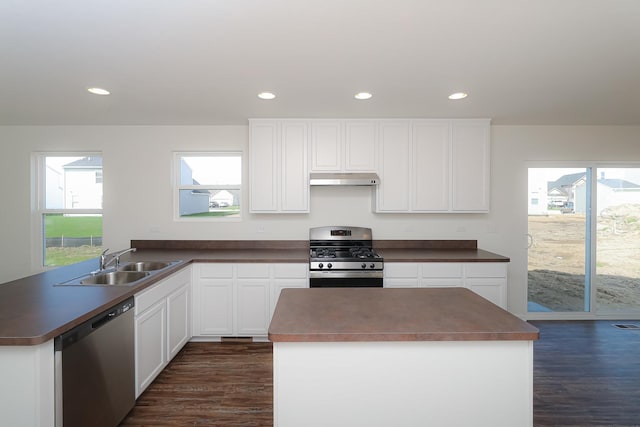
330	178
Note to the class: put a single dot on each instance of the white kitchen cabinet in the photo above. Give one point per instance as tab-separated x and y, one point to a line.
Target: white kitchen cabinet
487	279
360	147
287	276
326	145
433	165
401	275
470	174
431	190
395	153
278	166
162	325
178	319
343	146
151	347
442	274
213	285
252	310
239	299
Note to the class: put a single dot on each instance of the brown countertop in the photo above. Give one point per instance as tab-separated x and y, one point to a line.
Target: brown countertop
440	255
33	310
378	314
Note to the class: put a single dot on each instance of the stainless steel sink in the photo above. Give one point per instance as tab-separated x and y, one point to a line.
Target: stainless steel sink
126	275
145	266
114	278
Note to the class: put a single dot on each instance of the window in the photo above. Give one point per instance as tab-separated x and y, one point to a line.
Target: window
68	212
208	185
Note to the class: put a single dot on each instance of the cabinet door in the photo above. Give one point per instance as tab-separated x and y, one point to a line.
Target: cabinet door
287	276
252	308
494	289
431	165
151	347
294	175
178	320
326	145
470	166
360	146
215	307
392	194
401	275
263	152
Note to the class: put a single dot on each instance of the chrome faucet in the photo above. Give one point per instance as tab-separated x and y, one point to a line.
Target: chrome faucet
115	258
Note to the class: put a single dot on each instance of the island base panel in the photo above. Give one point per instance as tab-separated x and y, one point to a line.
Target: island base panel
452	383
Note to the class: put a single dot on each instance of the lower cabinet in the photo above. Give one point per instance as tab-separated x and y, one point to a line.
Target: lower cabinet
487	279
162	325
237	300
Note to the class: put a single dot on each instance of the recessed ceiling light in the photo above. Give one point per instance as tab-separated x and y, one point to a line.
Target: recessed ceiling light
458	95
363	95
266	95
98	91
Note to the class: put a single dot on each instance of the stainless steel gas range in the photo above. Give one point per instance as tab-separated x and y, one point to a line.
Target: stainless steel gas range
343	257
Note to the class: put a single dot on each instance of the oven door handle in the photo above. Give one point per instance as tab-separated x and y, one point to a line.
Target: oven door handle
355	274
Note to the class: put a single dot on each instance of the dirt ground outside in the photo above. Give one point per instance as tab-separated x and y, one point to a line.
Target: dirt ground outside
557	260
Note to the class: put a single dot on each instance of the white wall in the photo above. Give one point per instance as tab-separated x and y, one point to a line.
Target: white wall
138	198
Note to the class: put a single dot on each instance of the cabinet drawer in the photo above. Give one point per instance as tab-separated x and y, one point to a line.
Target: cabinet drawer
253	270
401	269
292	271
442	282
441	269
214	270
486	269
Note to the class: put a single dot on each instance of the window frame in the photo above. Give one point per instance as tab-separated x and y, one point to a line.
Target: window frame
177	186
39	208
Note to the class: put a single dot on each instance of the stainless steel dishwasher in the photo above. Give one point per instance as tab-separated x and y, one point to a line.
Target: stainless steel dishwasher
95	370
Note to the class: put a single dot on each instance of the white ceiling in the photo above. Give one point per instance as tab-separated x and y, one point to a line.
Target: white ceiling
201	62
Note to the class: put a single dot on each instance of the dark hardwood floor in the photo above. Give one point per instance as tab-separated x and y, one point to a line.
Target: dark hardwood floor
210	384
586	373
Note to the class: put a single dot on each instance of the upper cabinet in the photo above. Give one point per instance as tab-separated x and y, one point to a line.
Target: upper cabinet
425	165
470	161
343	146
278	166
433	166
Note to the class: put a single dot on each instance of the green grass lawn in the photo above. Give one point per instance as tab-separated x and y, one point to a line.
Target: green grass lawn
56	257
232	210
57	225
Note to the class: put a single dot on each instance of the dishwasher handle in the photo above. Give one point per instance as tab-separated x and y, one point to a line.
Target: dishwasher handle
76	334
104	319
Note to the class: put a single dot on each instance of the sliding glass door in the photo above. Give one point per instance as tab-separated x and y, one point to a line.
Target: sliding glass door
584	240
558	235
617	269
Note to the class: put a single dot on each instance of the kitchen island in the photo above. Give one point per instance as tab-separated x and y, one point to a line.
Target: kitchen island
407	357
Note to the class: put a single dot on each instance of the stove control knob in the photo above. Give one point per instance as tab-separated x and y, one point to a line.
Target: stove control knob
329	265
372	265
320	265
363	265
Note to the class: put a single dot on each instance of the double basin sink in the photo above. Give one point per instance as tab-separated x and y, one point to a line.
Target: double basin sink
126	275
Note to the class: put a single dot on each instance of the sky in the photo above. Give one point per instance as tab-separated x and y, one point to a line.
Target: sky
226	170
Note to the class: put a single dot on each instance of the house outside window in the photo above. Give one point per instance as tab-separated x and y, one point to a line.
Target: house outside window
208	185
68	208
